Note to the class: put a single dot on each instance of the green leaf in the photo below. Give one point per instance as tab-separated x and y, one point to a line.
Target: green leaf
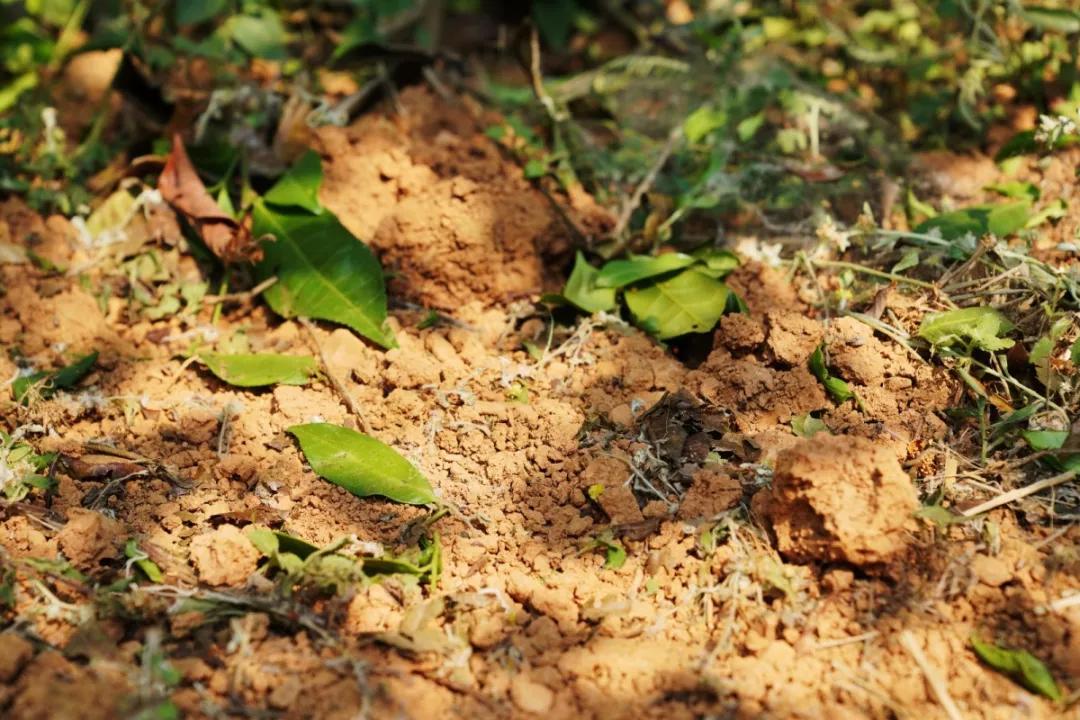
299	187
837	388
909	260
142	561
702	122
1039	358
554	19
48	383
424	563
1045	439
323	271
261	35
359	31
192	12
1055	19
535	168
1022	143
1016	189
614	556
265	541
257	369
1074	352
999	220
1055	210
940	516
689	302
361	464
294	546
808	426
1020	665
582	292
620	273
716	263
974	326
749	127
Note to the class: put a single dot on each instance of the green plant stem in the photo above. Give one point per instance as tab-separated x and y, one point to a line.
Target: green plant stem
878	273
222	290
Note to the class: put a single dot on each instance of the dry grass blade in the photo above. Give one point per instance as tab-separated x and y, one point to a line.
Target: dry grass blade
933	676
1019	493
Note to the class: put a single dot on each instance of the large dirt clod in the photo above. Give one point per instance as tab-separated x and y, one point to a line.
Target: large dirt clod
839	499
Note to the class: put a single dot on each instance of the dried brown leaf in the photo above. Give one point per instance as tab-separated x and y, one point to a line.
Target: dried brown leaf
181	187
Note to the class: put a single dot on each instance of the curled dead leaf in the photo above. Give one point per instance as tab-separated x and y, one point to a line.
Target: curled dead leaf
92	466
181	186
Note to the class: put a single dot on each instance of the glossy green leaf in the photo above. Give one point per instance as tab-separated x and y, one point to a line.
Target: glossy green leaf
1020	665
257	369
581	289
687	303
47	383
361	464
974	326
837	388
620	273
299	187
323	271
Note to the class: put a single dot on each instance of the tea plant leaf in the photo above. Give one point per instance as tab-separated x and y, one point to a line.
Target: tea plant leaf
940	516
361	464
191	12
141	560
837	388
261	35
974	326
999	220
581	289
257	369
1045	439
1020	665
808	426
323	271
689	302
49	382
1055	19
299	187
716	263
619	273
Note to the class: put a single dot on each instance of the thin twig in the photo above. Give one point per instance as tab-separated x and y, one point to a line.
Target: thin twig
537	78
1020	493
619	233
879	273
840	642
933	677
339	387
242	296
